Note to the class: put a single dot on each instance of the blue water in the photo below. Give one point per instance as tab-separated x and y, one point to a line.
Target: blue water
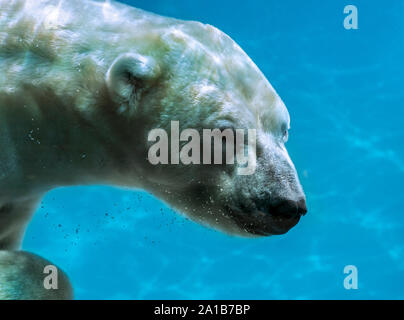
344	91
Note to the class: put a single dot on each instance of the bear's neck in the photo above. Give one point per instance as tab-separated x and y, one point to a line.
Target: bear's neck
46	142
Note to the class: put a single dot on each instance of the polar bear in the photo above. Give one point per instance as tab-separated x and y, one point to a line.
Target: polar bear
82	83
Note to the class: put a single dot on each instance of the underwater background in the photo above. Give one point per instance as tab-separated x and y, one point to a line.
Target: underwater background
344	92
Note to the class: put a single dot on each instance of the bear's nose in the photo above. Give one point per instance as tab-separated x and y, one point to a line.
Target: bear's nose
289	208
302	207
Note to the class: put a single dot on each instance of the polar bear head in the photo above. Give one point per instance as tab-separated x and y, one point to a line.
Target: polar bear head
196	75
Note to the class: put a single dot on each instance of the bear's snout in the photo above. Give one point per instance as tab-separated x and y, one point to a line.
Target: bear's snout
273	219
289	208
280	217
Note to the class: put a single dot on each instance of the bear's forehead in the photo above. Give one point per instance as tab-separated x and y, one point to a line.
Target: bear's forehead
233	77
196	39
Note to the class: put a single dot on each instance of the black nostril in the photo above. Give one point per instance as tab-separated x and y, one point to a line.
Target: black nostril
288	208
284	208
301	207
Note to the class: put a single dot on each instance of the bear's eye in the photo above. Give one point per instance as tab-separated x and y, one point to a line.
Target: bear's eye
285	135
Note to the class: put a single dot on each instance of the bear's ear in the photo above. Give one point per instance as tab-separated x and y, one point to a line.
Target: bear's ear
128	76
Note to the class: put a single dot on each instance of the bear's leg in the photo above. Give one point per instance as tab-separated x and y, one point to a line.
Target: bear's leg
23	275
